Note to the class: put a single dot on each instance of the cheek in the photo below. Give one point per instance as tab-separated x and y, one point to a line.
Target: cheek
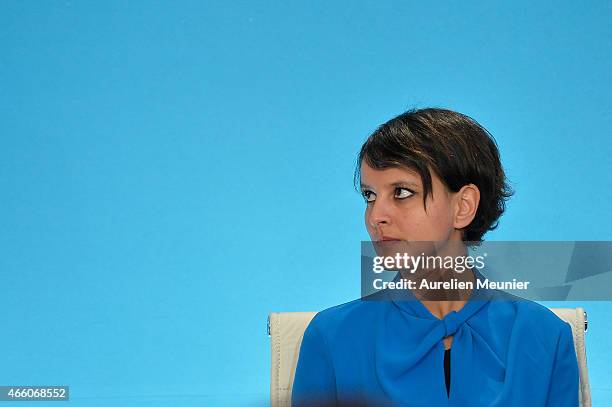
413	224
441	225
439	219
430	226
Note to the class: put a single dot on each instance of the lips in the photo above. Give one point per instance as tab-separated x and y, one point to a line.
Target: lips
388	239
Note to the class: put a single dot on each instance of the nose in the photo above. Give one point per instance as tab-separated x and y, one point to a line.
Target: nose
378	217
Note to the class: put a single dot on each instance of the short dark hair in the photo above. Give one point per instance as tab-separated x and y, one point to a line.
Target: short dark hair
458	149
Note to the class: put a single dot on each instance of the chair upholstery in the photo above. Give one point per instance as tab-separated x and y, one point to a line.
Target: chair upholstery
287	328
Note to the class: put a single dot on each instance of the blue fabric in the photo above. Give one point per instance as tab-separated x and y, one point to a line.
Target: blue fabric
390	353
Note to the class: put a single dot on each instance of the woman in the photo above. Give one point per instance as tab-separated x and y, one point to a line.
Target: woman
434	175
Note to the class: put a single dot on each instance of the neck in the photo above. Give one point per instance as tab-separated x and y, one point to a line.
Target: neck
456	298
442	301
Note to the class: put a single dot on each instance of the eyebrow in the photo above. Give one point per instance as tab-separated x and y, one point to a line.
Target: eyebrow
394	184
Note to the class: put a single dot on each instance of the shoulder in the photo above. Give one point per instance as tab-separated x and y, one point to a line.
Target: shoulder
346	317
540	315
542	324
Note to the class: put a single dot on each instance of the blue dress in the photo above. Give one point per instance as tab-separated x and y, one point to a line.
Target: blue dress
506	352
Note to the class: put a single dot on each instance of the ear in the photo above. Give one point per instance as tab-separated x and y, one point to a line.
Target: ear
467	199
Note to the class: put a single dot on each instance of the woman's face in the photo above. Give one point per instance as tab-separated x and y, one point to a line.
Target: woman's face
395	207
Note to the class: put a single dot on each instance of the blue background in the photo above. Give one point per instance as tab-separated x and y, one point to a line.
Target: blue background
171	172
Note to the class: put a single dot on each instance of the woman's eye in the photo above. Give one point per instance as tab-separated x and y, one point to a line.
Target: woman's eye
369	196
402	193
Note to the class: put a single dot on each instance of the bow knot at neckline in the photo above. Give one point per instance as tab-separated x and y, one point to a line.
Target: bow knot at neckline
451	322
